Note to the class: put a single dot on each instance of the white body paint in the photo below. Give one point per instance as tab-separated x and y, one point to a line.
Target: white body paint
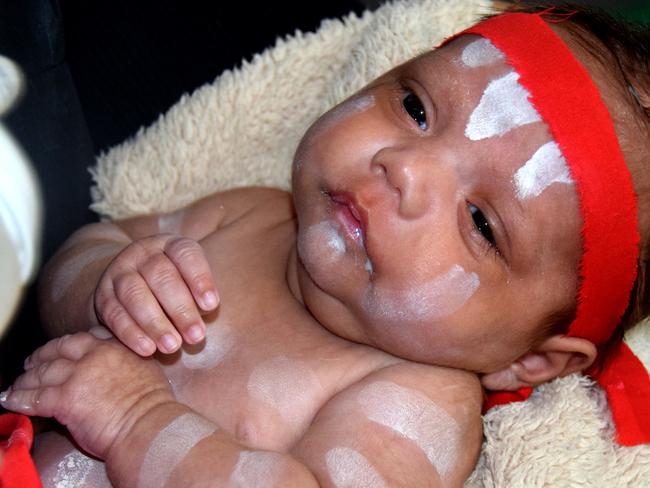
170	447
209	353
504	106
321	243
344	110
73	470
481	53
439	297
256	469
66	275
285	385
348	468
171	223
546	167
414	416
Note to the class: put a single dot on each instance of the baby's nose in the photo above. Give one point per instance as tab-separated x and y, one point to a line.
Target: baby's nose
405	172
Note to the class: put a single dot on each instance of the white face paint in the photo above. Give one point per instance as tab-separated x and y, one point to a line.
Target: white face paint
481	53
256	469
348	468
504	106
170	447
66	275
344	110
171	223
414	416
546	167
321	243
211	351
439	297
74	470
348	108
285	385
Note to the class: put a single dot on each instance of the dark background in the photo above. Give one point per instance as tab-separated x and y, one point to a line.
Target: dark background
97	70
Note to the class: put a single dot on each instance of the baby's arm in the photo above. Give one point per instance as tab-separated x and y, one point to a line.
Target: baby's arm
145	278
408	425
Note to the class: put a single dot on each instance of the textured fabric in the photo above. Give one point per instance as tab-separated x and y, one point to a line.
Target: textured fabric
16	466
233	133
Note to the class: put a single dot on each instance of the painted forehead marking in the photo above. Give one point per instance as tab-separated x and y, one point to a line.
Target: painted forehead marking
481	53
504	106
415	417
349	468
547	166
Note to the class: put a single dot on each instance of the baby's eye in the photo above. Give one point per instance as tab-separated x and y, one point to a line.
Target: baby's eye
415	109
482	224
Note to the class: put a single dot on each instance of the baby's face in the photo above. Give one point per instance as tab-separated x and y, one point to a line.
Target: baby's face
437	219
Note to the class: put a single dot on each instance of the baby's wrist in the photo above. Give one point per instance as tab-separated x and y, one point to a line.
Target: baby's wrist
142	423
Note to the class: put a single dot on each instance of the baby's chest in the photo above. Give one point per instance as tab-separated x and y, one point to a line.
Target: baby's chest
266	389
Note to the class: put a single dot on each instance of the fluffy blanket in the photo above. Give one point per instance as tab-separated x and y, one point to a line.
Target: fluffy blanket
243	129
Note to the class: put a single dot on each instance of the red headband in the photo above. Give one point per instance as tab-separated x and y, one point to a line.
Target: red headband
569	102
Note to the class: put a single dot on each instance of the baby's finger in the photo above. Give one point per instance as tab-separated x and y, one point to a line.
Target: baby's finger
71	346
111	312
139	302
172	294
40	401
45	374
189	258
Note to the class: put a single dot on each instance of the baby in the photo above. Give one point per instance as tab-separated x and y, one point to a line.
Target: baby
447	225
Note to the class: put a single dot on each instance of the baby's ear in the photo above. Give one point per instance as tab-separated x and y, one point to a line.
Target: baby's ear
557	356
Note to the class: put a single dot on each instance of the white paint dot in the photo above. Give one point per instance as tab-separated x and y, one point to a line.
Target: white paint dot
72	470
348	468
504	106
481	53
285	385
212	351
414	416
546	167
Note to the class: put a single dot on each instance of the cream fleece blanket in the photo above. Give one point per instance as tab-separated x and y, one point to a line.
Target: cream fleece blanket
243	129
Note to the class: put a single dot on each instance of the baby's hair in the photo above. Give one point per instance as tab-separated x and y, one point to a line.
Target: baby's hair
623	49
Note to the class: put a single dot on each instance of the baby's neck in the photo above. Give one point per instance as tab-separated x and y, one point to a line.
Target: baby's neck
292	275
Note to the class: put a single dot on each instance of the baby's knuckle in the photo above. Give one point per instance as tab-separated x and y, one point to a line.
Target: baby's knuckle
182	248
111	313
128	286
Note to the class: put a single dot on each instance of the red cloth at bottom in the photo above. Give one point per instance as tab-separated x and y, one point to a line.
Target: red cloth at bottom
17	469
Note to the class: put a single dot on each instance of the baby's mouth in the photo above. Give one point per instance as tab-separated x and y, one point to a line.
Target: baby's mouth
351	216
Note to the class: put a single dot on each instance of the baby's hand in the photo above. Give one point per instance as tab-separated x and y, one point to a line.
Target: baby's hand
155	288
97	388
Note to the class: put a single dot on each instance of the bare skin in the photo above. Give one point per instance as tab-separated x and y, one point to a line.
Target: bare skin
412	185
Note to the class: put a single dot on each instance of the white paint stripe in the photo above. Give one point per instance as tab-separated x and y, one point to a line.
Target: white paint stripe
503	107
481	53
67	274
415	417
439	297
256	469
321	242
547	166
171	223
348	468
170	447
210	352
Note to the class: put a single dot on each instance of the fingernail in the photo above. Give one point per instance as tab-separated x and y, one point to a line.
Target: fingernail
28	363
209	300
195	333
169	343
4	395
146	346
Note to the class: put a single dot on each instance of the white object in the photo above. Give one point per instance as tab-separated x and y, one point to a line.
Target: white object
20	206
